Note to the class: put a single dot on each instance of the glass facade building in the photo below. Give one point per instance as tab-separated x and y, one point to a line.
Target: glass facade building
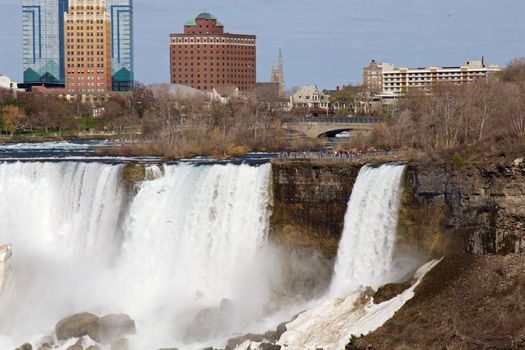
121	12
42	47
43	41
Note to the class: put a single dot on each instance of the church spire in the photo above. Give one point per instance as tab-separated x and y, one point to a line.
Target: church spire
278	74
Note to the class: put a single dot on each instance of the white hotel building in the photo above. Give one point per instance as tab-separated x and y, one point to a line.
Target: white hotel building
387	80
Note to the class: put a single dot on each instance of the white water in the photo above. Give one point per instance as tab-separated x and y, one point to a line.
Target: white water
365	255
190	238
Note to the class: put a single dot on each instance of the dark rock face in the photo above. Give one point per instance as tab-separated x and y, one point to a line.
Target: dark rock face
75	326
479	209
310	200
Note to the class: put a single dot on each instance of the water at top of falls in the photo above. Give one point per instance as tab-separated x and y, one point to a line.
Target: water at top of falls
366	249
184	250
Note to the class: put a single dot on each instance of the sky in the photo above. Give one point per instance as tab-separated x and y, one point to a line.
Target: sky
324	42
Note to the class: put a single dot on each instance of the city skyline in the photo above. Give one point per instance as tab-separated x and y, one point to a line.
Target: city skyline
331	42
45	48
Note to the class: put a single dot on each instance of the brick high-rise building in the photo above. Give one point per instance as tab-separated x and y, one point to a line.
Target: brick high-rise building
87	32
206	58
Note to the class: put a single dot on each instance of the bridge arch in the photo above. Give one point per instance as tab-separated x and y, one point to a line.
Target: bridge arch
317	127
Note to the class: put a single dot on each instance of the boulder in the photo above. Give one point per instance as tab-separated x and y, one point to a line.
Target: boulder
75	326
93	347
271	336
26	346
45	346
110	328
390	291
281	329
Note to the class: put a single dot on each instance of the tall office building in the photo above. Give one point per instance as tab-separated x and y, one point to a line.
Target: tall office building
206	58
44	46
43	40
121	12
87	32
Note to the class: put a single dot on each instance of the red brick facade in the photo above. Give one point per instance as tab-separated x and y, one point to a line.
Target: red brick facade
204	57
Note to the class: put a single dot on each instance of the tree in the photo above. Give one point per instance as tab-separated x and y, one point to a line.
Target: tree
13	118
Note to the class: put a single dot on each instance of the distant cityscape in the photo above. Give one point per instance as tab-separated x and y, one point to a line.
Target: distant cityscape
85	47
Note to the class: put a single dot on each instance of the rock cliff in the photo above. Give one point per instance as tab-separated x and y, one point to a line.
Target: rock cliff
479	209
309	203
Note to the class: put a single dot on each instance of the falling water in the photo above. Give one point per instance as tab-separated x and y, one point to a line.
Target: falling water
365	256
184	247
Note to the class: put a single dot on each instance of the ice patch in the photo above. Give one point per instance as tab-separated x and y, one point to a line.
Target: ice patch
331	325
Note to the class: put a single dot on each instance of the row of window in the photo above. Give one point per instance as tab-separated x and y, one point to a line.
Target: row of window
239	76
206	63
213	40
88	40
89	71
219	70
86	84
85	59
81	27
81	77
81	47
85	53
89	21
81	65
210	50
70	34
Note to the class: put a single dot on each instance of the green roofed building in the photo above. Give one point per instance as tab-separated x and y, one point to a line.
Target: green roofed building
206	58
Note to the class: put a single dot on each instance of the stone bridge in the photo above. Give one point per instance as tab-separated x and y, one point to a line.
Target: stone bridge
314	127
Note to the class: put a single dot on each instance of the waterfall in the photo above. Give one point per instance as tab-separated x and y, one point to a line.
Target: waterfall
188	241
365	256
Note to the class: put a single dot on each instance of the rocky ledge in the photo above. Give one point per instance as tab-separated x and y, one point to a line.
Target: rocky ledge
479	208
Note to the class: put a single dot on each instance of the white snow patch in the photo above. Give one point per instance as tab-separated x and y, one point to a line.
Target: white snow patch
331	325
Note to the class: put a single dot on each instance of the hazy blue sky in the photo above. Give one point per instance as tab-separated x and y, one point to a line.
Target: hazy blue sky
324	41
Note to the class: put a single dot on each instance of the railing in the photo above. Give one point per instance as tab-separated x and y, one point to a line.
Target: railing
341	120
346	156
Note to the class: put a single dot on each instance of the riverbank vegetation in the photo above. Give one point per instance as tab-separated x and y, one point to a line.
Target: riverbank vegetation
155	121
471	122
477	121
